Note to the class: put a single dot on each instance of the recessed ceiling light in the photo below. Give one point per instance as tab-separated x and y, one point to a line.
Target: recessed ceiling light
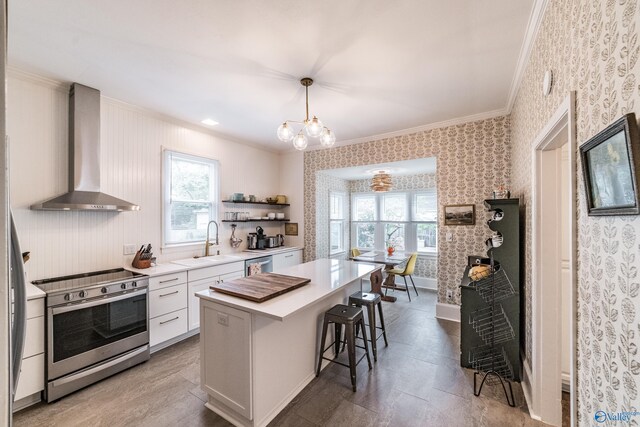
209	122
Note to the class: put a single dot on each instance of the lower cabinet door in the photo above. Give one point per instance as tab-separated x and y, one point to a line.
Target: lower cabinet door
225	339
194	301
167	326
31	376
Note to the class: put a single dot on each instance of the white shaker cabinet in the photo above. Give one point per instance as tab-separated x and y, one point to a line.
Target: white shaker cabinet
200	280
31	381
168	317
287	259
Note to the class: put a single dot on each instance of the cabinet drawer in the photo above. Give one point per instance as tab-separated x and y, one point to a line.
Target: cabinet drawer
167	280
35	308
31	376
166	300
34	339
218	270
165	327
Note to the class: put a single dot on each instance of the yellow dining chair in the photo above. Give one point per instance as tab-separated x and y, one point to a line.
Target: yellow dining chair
355	252
407	271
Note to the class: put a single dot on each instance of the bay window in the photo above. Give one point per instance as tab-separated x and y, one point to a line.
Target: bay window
406	220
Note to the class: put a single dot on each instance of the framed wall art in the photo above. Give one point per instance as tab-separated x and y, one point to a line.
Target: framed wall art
291	229
460	215
610	167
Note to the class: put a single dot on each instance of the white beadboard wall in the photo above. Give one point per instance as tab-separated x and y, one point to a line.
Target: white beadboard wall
64	243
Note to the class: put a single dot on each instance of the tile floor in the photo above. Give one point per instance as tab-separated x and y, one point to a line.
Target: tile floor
417	381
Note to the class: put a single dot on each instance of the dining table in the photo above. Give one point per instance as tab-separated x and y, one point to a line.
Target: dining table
390	262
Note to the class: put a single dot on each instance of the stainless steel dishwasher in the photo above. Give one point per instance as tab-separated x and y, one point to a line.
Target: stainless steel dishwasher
265	263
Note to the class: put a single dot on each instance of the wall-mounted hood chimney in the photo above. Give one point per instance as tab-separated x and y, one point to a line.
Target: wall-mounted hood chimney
84	159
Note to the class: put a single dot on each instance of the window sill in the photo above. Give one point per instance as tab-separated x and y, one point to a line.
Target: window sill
428	255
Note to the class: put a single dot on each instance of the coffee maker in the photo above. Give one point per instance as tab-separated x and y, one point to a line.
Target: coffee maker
257	240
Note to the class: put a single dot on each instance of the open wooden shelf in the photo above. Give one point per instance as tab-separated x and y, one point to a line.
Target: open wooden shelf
255	203
256	220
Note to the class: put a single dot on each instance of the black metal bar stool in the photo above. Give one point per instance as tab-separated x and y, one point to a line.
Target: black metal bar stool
348	316
370	300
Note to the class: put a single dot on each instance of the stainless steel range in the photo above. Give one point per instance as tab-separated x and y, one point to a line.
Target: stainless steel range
97	325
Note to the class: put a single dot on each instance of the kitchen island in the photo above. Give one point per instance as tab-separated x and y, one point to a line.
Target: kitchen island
256	357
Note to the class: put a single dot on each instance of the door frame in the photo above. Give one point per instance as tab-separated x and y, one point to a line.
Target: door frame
546	381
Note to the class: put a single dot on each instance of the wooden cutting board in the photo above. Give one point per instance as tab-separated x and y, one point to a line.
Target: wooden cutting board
260	287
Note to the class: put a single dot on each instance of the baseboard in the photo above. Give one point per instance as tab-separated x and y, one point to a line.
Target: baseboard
526	388
425	282
448	312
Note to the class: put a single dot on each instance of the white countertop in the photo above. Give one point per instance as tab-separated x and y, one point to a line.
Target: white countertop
159	269
173	267
33	292
327	276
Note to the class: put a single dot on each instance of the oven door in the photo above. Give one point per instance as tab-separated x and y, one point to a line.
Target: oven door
88	332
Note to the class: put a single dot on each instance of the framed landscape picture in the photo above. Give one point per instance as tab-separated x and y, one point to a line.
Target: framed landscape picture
610	168
460	215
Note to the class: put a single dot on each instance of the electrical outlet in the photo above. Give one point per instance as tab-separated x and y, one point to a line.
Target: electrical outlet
449	294
449	237
223	319
129	249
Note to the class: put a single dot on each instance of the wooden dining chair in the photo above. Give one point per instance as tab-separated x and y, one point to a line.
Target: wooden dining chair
355	252
407	271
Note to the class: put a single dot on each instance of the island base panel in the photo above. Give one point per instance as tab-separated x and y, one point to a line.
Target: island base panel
283	359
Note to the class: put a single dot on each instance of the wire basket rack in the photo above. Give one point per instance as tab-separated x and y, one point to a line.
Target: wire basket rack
489	358
494	288
492	325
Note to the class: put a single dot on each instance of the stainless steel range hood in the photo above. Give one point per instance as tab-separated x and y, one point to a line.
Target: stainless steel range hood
84	159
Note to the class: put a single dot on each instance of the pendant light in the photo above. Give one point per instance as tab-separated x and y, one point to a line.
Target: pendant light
381	182
311	127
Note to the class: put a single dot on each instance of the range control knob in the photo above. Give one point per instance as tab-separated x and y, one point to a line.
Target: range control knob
68	297
83	294
104	290
134	285
123	286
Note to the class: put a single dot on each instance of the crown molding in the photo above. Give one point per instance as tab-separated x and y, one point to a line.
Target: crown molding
436	125
533	26
63	87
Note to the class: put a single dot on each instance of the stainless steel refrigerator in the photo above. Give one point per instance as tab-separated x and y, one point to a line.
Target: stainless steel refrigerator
19	323
6	395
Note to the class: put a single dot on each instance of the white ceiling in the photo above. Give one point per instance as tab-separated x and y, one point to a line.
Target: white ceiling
405	167
380	66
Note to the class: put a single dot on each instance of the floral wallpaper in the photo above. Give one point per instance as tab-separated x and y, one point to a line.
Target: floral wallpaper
592	47
324	185
425	266
473	158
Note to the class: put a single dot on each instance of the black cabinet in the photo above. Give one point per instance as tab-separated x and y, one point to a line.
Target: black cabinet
490	308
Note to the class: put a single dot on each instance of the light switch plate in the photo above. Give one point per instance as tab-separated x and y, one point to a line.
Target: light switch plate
449	237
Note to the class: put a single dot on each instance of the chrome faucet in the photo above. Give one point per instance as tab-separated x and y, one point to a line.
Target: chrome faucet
207	244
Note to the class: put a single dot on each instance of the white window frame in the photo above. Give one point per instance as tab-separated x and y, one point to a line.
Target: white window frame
410	229
415	223
342	221
214	190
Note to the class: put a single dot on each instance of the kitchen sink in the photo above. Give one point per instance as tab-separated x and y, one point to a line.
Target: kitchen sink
204	261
